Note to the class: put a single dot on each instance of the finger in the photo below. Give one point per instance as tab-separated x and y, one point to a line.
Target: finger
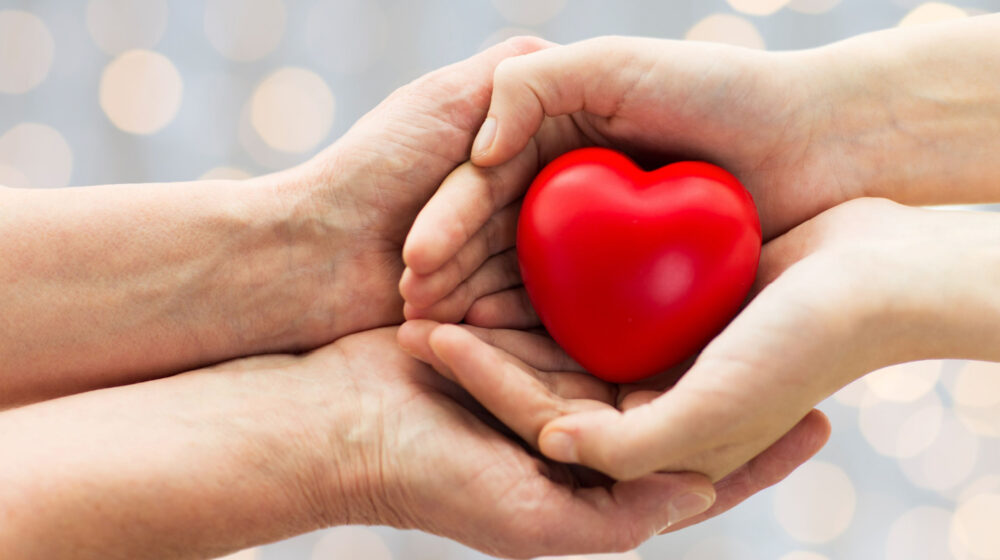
744	392
770	467
509	309
496	236
558	372
497	274
469	196
464	202
592	76
506	386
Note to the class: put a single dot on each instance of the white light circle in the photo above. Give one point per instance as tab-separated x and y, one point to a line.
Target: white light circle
350	543
816	503
919	534
26	51
245	30
726	28
225	173
900	429
932	12
120	25
11	176
141	91
757	7
39	153
974	527
905	382
292	110
947	461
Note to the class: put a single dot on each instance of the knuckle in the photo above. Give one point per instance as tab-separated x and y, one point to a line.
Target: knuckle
524	44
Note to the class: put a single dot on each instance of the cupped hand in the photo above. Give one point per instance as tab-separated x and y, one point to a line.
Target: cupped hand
357	199
750	112
864	285
528	382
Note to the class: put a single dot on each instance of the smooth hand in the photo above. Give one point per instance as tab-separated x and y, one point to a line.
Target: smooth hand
867	284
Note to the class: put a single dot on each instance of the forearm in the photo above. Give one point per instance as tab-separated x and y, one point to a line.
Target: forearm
191	466
109	285
913	113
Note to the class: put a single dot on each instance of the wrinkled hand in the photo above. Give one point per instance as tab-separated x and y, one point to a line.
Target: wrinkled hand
862	286
357	199
528	382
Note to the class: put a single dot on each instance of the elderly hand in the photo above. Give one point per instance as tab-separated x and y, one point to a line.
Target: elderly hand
263	448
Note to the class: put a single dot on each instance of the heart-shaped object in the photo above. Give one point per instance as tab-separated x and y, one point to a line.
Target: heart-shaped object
631	271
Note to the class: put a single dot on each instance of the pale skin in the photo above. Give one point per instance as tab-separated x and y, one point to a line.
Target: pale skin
116	289
844	287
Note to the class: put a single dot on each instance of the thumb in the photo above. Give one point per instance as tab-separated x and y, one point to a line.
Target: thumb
592	76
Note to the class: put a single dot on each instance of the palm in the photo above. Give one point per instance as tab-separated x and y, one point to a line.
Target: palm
440	460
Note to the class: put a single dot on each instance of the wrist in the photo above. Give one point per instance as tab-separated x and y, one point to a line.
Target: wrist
910	114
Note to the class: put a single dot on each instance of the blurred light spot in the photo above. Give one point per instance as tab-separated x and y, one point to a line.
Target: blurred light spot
223	173
977	398
974	527
351	543
854	394
932	12
988	484
141	91
947	461
10	176
248	554
119	25
717	548
726	28
898	429
244	30
757	7
347	36
812	6
816	503
39	153
529	12
502	34
803	555
919	534
978	384
26	49
905	382
292	110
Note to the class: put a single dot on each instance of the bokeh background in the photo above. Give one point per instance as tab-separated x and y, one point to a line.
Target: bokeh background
114	91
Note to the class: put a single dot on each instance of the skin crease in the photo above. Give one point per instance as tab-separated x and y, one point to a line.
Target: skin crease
213	270
211	461
846	292
864	285
266	456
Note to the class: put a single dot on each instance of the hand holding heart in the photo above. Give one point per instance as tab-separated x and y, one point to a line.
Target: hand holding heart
834	299
827	305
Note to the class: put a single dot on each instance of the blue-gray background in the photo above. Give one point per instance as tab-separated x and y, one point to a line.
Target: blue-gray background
913	468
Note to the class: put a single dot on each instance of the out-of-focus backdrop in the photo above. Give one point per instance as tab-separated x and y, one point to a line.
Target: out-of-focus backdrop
113	91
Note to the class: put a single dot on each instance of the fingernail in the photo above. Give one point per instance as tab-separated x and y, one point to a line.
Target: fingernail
687	506
560	447
485	137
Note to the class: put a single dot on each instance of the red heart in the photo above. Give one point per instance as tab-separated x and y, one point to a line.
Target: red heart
630	271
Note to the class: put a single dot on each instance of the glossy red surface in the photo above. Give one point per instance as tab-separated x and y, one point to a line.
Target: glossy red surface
631	271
